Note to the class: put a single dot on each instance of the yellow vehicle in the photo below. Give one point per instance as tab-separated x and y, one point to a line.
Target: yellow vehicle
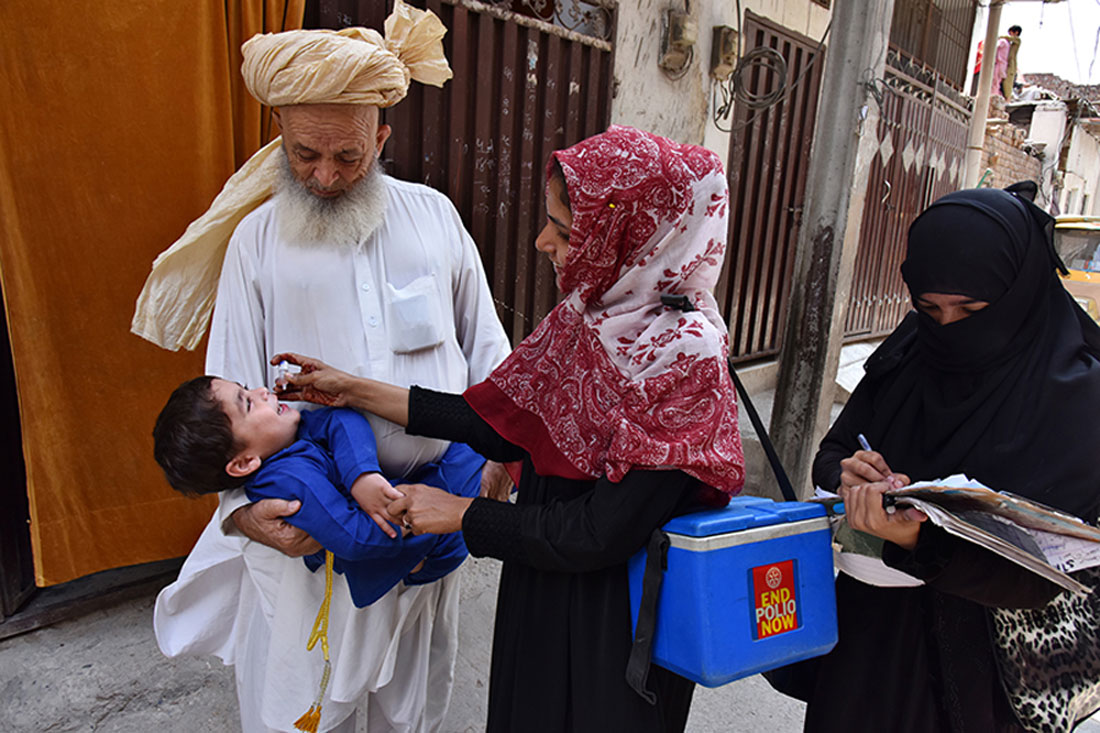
1077	239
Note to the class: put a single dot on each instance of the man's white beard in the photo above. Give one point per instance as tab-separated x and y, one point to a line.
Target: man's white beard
346	220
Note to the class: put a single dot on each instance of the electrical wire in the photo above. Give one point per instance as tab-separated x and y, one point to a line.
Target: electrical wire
877	88
1095	45
680	73
677	74
766	60
1073	37
727	90
722	111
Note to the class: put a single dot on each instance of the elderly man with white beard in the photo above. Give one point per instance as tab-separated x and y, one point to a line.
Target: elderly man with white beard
331	258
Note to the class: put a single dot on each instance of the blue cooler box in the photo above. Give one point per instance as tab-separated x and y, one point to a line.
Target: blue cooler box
748	588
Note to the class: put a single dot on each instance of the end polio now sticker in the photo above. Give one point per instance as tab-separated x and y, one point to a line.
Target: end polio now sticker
774	592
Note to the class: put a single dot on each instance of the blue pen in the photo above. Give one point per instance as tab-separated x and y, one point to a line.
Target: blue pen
863	442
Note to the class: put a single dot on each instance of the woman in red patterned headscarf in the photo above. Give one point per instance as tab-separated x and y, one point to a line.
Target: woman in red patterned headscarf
622	412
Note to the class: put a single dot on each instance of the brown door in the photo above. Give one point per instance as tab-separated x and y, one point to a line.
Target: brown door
768	159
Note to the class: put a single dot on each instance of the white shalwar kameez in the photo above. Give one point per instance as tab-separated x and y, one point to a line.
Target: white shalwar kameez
382	310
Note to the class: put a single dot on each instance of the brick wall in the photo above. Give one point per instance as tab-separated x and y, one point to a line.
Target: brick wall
1003	153
1064	89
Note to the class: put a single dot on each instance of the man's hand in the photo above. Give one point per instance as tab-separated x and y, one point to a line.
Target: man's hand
496	484
264	522
373	493
427	510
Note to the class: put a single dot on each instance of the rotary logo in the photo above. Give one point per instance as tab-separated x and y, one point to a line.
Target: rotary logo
773	577
774	592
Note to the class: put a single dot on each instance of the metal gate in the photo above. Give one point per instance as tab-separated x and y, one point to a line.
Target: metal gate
768	159
522	88
921	152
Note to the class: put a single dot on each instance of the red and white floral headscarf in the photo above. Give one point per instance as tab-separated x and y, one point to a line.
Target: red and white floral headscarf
612	379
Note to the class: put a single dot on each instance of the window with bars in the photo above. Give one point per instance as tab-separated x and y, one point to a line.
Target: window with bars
936	34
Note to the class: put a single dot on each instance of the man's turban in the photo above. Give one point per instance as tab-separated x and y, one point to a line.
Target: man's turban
351	66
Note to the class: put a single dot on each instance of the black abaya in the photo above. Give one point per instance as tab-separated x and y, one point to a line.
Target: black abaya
563	631
1009	396
917	660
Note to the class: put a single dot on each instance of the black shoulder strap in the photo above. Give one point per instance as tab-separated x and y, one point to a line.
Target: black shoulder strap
637	667
762	434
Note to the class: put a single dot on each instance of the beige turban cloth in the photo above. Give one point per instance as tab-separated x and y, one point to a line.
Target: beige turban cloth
351	66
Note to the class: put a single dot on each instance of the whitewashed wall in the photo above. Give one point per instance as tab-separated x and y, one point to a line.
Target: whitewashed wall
682	109
1082	172
1048	124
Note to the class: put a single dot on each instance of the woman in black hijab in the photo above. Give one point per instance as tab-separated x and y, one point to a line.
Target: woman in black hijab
996	376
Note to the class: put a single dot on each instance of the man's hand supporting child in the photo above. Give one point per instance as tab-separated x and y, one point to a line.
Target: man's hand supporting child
264	522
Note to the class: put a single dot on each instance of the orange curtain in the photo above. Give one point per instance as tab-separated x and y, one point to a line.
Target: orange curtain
244	18
119	122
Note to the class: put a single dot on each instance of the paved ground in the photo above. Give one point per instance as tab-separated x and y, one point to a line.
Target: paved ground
103	672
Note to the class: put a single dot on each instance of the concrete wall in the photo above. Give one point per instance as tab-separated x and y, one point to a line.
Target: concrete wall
683	109
1048	122
1048	125
1081	174
1074	185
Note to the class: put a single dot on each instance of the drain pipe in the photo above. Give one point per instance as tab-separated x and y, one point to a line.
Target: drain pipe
976	139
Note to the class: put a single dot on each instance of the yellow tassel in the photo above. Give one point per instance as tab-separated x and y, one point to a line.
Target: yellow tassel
311	719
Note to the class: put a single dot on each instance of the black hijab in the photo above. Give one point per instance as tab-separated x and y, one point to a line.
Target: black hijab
1010	395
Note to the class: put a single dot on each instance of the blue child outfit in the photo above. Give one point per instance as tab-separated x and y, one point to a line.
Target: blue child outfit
334	447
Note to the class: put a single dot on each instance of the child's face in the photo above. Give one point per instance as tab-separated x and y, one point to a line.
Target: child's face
262	426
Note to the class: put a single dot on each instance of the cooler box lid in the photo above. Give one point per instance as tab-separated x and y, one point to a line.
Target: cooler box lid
743	512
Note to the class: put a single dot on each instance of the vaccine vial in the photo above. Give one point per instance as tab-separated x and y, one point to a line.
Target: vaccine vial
282	369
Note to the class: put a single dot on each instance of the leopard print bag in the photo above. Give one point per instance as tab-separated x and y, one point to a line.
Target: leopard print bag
1049	658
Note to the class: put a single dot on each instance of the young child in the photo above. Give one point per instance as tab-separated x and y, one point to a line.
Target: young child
214	435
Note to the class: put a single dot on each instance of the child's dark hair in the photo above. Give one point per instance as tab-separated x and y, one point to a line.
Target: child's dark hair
193	440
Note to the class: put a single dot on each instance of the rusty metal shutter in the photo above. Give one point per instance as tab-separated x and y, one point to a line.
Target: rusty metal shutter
768	159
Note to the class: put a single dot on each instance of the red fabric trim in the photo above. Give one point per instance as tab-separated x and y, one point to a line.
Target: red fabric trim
522	428
515	471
